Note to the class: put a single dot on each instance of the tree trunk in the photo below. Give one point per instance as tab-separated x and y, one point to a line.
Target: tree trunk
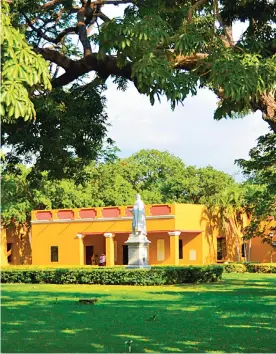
268	108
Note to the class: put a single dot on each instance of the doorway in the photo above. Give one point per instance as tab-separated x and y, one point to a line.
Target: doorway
89	251
125	254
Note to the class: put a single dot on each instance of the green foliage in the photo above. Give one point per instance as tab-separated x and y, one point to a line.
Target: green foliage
68	133
235	268
262	163
172	47
250	268
158	176
23	72
114	276
260	190
20	197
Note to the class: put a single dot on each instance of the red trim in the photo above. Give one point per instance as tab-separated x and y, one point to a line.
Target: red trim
160	210
111	212
65	214
87	213
44	215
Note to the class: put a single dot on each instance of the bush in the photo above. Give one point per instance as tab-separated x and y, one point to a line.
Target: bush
234	268
114	276
250	267
261	267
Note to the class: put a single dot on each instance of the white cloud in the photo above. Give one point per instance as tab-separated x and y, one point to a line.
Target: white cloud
189	132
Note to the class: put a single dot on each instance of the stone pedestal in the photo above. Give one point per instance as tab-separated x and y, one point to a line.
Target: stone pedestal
137	251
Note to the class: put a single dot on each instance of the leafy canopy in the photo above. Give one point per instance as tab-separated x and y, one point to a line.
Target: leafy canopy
23	72
165	47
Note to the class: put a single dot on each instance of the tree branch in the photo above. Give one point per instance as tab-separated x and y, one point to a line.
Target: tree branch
55	57
65	32
102	16
193	8
39	32
87	50
267	104
104	67
113	2
51	4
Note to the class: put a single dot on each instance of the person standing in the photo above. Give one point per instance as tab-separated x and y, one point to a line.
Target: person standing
102	260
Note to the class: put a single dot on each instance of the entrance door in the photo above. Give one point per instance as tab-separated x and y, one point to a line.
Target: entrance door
125	254
89	250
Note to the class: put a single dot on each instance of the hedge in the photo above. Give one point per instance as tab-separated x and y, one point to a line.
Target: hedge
114	276
250	267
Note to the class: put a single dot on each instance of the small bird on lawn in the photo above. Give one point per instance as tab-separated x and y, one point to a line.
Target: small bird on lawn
128	344
152	318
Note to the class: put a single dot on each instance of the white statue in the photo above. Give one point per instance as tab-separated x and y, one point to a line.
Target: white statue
139	217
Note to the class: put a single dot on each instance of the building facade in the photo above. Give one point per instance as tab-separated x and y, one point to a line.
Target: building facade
178	233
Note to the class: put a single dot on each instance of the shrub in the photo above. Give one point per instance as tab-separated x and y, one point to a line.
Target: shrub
250	267
261	268
234	268
114	276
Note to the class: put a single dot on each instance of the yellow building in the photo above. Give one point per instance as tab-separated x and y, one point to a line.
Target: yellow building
179	234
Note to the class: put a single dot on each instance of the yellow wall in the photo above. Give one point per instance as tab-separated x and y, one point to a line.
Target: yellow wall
153	248
72	249
199	232
20	238
261	252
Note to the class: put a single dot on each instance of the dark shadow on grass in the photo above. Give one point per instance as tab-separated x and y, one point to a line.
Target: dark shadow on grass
231	316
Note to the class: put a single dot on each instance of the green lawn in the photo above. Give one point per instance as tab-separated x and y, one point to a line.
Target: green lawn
236	315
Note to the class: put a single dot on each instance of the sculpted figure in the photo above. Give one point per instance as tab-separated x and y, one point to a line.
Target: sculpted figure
139	217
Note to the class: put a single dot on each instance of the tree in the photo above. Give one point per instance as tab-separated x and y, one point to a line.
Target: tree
63	138
23	73
261	167
161	177
261	192
166	47
148	172
228	204
196	185
19	198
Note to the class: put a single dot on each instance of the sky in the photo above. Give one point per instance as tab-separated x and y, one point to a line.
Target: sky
189	132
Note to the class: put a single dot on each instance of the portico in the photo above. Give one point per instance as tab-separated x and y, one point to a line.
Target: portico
80	236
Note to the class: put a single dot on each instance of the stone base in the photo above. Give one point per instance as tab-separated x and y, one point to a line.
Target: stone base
137	251
138	266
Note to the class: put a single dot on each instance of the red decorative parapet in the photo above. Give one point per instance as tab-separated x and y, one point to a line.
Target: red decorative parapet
160	210
87	213
128	212
43	215
111	212
65	214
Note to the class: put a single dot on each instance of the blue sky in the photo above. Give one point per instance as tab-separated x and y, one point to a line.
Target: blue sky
190	132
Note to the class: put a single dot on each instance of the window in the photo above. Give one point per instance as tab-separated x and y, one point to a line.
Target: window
243	250
192	255
54	253
160	250
221	248
180	249
9	252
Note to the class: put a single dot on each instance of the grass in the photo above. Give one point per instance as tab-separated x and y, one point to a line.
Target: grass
236	315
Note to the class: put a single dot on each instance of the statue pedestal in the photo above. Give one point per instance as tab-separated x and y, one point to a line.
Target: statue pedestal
137	251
